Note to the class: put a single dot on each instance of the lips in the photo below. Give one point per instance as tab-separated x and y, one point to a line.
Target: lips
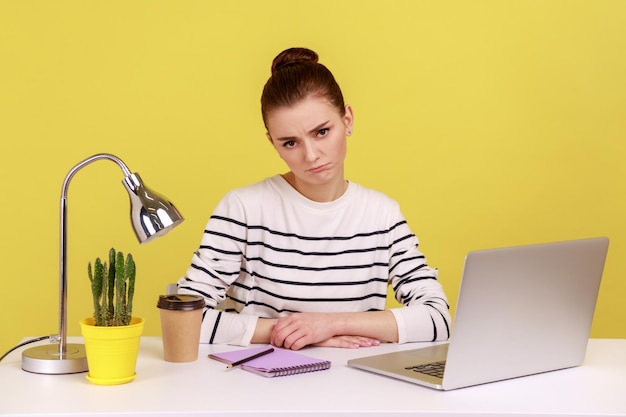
319	168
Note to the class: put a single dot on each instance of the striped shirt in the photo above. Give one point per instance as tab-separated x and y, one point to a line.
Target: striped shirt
268	251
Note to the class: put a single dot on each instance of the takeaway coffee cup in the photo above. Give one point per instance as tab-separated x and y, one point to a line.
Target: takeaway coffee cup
181	319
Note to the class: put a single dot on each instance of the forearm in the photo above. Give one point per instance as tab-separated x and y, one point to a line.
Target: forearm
379	325
263	330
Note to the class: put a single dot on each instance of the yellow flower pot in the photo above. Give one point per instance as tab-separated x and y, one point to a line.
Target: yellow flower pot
111	351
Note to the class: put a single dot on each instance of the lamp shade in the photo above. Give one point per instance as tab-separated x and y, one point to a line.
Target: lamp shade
151	214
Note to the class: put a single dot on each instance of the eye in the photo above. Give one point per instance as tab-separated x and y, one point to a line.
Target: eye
289	144
323	132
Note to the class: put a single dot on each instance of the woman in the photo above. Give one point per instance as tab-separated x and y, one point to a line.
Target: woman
305	258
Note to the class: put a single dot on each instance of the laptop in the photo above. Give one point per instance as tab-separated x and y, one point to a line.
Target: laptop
521	310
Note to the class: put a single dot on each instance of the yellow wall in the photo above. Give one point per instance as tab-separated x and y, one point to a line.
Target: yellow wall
494	123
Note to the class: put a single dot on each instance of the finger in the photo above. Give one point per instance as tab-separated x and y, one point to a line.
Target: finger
282	325
285	336
299	343
366	341
349	342
296	340
338	343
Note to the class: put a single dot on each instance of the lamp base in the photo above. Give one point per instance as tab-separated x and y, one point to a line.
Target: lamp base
46	359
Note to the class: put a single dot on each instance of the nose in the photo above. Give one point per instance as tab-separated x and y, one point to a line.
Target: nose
310	151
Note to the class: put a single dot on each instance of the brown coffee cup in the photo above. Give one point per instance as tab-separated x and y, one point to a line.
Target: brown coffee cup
181	319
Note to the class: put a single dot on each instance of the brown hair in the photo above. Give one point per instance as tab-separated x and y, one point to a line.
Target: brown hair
296	75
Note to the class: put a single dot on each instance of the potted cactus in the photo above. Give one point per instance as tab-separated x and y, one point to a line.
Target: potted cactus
113	289
112	331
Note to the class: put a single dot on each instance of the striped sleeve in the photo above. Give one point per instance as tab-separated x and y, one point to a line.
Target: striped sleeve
425	313
214	267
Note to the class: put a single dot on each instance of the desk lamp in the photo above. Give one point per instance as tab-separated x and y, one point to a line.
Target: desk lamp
151	215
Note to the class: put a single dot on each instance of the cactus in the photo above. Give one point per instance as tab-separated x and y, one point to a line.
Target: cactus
113	288
110	286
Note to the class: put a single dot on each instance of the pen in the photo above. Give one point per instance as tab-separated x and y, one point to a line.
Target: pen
244	360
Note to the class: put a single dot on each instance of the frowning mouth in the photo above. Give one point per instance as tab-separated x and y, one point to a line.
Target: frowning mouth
319	168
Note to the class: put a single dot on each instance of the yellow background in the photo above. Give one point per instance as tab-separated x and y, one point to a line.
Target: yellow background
493	123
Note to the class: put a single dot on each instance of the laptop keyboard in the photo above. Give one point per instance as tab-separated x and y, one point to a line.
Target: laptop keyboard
433	369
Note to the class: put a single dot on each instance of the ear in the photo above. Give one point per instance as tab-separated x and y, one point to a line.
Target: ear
348	119
267	135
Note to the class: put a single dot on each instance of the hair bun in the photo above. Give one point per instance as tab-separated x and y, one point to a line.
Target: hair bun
292	56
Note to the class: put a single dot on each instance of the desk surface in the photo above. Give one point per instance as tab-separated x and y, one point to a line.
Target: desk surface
207	388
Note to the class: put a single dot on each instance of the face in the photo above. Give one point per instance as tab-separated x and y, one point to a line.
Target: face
311	138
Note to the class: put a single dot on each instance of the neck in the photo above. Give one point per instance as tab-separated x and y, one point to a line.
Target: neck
321	193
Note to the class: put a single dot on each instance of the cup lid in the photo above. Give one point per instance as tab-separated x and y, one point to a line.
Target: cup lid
180	302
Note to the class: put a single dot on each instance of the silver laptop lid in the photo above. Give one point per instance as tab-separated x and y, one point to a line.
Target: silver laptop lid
521	311
524	310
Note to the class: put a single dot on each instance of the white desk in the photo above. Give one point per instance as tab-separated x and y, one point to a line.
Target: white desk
206	388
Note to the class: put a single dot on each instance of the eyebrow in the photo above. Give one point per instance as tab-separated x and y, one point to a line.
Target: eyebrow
314	130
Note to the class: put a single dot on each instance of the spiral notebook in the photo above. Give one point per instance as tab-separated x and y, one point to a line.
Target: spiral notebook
281	362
